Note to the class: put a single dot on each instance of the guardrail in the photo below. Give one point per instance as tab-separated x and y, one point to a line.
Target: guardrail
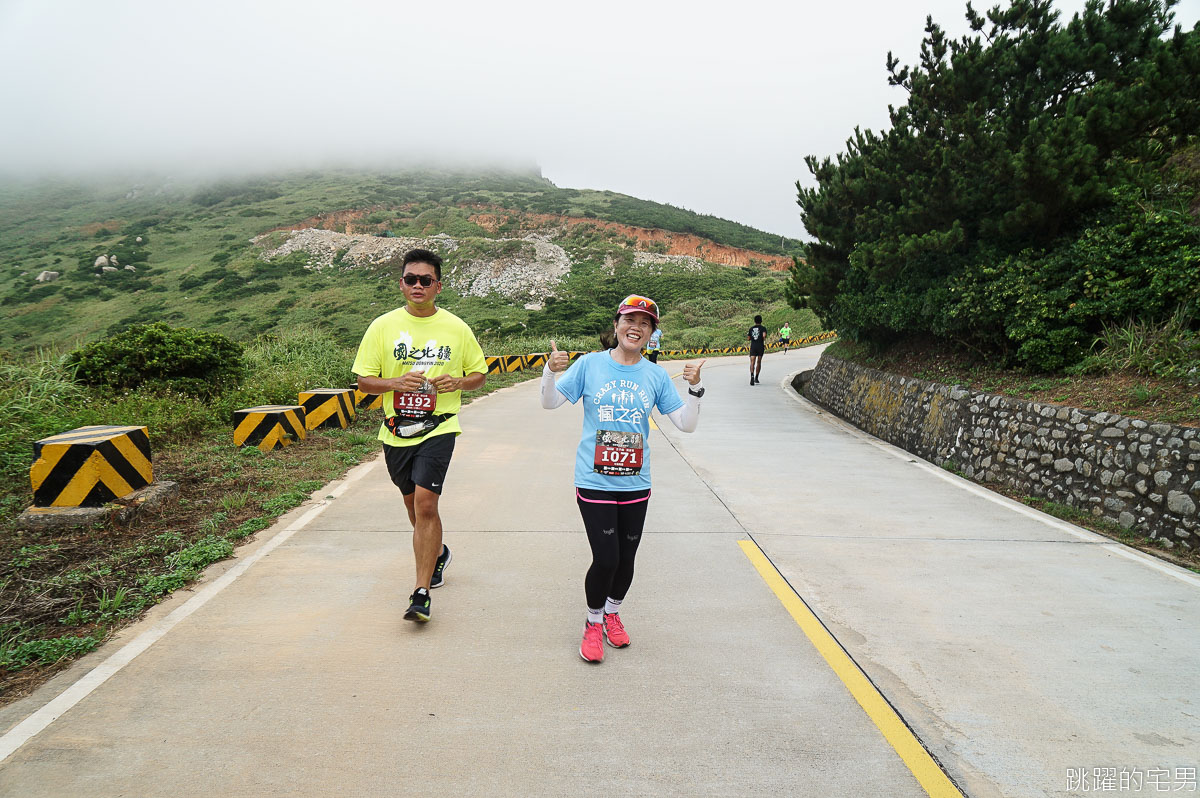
510	364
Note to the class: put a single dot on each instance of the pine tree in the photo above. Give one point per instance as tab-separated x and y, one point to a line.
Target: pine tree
1012	137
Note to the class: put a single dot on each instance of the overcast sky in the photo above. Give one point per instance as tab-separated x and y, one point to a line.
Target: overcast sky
707	106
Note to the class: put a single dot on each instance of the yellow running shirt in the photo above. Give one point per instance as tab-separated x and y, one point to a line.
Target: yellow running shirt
398	342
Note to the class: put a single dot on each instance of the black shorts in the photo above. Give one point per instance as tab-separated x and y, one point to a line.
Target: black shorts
757	351
424	464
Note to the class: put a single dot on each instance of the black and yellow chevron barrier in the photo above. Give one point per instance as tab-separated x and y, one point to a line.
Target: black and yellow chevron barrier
90	466
328	407
366	401
505	364
510	364
268	426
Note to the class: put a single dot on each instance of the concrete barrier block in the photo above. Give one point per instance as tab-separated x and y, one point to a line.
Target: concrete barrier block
328	407
366	401
90	466
269	426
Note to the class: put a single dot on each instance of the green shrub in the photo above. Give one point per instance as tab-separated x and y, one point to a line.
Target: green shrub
1044	310
1170	349
191	361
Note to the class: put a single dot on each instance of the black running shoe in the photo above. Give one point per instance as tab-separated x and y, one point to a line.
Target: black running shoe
440	568
418	607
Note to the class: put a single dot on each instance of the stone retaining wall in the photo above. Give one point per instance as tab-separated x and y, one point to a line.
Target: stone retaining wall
1143	476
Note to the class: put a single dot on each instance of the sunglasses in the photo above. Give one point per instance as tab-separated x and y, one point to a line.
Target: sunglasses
641	303
424	279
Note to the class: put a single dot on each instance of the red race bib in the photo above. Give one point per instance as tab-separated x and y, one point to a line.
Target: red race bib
413	405
618	453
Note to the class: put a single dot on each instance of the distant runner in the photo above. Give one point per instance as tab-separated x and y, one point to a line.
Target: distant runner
757	336
421	358
612	463
785	335
655	344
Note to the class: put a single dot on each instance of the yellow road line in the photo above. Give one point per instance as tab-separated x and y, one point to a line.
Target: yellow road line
652	424
935	782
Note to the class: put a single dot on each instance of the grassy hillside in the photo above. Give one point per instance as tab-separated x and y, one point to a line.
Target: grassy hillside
197	266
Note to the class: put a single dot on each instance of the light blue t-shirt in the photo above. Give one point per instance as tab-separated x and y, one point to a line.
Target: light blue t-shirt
617	399
655	337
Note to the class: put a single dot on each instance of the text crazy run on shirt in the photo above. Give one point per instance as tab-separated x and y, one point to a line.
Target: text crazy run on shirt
617	401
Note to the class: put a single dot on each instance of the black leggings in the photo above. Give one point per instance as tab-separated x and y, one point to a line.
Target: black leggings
613	522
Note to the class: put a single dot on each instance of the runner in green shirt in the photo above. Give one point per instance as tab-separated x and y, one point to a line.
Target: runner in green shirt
421	358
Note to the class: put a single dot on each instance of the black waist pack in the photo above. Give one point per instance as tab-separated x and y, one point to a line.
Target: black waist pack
403	427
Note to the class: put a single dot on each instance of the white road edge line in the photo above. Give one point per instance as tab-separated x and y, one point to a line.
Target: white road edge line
55	708
995	498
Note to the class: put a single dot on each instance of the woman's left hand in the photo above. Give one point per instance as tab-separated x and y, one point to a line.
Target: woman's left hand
691	372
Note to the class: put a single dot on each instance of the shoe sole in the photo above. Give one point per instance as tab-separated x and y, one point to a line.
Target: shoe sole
614	645
449	560
416	615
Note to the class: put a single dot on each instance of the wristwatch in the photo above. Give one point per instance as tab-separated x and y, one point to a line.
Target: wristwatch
696	393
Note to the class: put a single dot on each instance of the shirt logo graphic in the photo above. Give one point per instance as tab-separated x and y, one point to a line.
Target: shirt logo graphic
428	355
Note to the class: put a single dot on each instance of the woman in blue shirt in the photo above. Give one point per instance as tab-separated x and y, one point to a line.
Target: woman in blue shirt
619	389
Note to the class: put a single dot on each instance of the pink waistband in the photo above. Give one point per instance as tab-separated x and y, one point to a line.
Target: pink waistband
607	501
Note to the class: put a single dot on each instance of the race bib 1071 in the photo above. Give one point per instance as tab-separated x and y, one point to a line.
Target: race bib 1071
618	453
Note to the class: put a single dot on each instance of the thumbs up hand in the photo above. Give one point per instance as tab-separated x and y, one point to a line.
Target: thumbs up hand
557	361
691	372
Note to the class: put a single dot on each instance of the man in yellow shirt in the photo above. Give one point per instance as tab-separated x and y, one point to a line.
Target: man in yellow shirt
421	358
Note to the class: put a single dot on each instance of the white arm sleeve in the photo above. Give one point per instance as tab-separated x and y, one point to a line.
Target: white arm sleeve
551	397
687	417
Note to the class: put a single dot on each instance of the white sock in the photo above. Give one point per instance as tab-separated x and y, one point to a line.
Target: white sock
612	606
595	616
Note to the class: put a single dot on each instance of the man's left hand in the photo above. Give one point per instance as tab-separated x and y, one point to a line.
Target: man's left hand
444	383
691	372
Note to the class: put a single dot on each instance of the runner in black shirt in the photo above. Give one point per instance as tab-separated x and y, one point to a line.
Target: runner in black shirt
757	336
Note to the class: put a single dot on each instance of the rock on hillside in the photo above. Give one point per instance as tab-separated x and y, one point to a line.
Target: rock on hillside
529	275
686	244
521	270
653	262
326	248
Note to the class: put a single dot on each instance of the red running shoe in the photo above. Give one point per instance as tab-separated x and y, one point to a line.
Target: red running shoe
614	631
592	647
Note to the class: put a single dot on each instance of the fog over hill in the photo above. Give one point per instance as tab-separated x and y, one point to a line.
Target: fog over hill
709	107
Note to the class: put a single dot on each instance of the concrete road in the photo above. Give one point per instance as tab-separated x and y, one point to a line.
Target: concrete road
1020	651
